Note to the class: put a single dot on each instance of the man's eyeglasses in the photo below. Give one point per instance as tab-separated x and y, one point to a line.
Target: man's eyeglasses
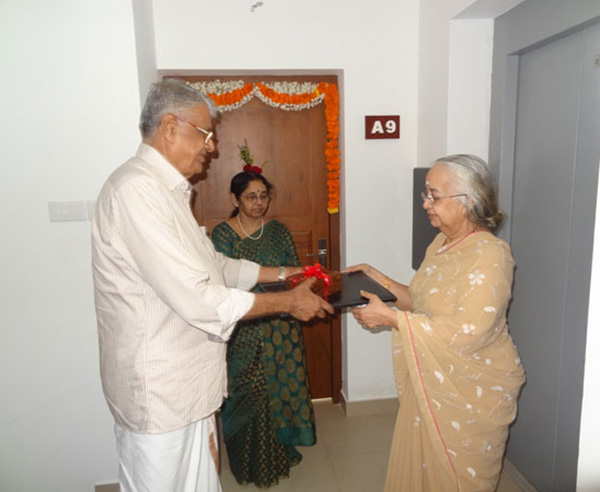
209	135
253	197
432	199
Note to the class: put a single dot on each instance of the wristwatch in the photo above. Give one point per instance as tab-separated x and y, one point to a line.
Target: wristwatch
281	276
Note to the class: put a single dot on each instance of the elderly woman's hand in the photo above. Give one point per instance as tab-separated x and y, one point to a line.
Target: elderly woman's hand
375	313
371	272
365	267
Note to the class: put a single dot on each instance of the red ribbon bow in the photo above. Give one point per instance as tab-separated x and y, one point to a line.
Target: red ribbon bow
315	271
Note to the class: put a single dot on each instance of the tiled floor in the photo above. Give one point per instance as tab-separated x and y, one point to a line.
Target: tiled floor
350	456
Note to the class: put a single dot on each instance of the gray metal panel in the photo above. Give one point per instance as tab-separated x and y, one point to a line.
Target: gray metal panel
585	186
543	198
555	177
531	26
531	23
423	231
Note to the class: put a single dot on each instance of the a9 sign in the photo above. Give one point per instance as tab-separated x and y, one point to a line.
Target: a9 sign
382	126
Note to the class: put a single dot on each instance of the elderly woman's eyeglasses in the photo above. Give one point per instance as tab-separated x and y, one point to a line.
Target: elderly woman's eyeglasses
432	199
253	197
209	135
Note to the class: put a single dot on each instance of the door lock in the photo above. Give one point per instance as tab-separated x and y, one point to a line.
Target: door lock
321	253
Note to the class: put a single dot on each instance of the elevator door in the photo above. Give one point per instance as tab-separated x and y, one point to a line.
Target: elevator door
557	153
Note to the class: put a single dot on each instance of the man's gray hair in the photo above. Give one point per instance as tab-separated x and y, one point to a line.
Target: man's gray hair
471	175
173	96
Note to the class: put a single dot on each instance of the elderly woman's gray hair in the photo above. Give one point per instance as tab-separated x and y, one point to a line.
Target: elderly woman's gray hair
471	175
173	96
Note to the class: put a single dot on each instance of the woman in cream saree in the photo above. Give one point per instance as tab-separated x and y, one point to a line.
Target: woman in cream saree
457	371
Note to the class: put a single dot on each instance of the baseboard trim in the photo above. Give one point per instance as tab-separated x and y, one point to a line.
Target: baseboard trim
107	487
369	407
517	477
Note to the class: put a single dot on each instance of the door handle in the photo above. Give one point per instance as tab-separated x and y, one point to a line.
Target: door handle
321	253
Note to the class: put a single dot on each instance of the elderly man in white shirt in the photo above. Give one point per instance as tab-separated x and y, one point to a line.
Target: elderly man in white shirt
167	302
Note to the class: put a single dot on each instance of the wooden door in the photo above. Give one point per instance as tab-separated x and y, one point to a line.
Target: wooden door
293	144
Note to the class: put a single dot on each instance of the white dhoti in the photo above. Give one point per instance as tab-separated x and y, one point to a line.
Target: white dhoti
185	460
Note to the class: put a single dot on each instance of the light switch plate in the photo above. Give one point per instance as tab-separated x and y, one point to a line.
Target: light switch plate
90	204
68	211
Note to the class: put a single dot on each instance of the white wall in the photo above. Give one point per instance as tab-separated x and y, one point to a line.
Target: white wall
143	20
469	86
69	106
434	58
455	55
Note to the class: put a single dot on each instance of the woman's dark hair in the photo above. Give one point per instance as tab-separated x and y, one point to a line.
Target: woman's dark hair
240	182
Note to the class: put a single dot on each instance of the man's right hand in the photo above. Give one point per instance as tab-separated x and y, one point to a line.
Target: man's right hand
300	302
306	304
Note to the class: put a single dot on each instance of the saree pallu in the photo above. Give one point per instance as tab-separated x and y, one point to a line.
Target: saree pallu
457	370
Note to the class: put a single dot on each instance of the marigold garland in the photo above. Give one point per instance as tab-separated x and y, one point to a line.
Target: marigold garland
332	152
235	99
287	101
289	96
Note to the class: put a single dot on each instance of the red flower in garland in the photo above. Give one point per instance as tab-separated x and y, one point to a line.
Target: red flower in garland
254	169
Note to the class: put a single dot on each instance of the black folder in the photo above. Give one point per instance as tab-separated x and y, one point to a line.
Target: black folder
352	284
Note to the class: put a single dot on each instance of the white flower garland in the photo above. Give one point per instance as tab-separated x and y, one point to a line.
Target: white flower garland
290	88
238	105
219	87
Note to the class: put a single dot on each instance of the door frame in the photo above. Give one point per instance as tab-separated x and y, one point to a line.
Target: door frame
334	227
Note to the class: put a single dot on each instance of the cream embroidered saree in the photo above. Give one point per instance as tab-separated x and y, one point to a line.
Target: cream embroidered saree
457	370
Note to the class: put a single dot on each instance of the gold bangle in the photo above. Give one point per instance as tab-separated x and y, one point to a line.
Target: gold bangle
386	282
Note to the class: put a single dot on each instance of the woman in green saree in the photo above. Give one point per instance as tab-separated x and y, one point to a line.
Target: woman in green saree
268	411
